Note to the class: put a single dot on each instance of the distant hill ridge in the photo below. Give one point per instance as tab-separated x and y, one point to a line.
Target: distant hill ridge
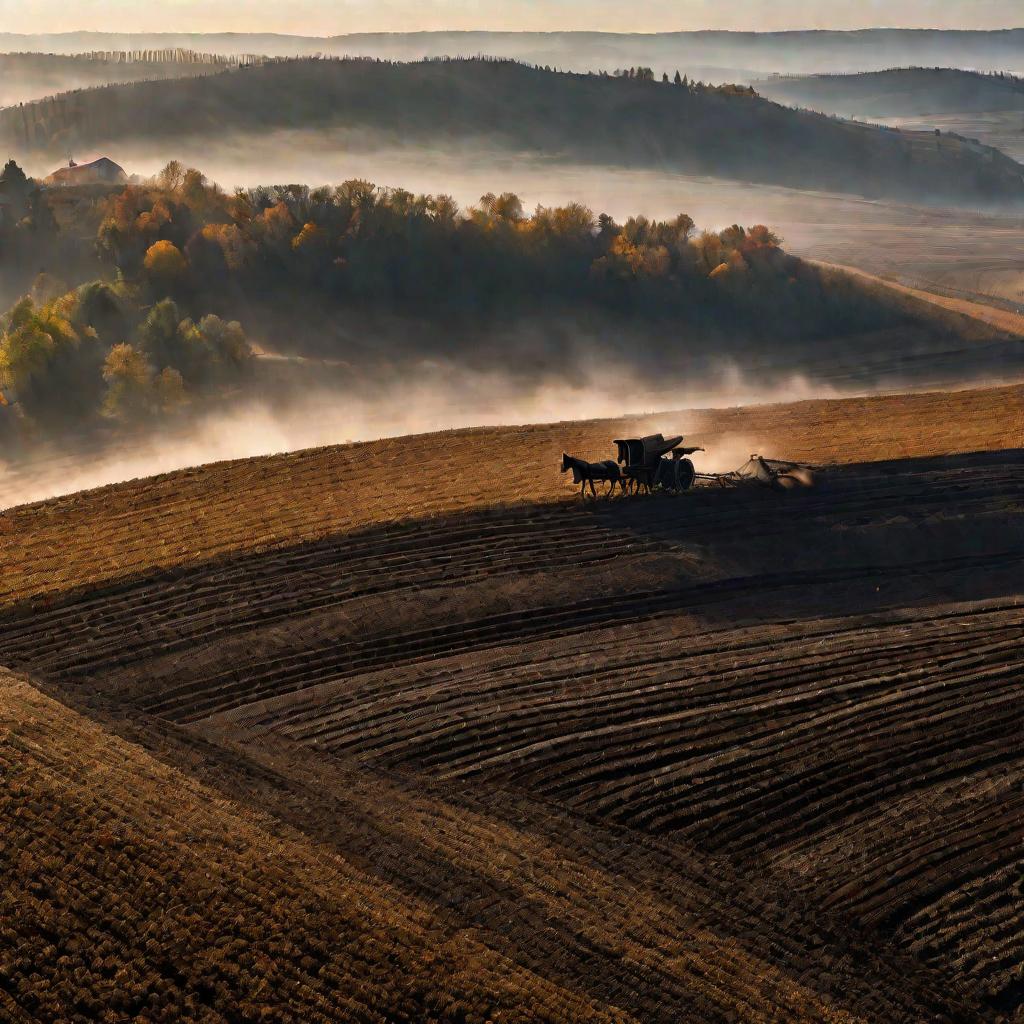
728	133
796	51
899	92
30	76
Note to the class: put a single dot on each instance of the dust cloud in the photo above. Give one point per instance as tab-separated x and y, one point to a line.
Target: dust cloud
440	401
883	238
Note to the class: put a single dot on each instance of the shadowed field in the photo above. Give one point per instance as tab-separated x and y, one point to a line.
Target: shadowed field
732	755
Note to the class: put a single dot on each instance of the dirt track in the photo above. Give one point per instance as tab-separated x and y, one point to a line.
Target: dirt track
724	756
1003	319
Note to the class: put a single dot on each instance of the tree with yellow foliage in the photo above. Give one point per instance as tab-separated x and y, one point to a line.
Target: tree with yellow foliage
44	362
169	390
310	239
130	393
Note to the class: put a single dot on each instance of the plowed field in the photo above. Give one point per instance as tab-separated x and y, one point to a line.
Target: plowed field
404	731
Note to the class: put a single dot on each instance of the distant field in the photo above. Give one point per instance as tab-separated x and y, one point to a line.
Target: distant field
1003	129
899	92
987	108
1008	316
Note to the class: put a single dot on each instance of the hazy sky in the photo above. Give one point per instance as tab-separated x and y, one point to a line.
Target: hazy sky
329	17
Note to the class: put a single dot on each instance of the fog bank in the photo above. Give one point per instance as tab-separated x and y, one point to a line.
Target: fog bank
926	247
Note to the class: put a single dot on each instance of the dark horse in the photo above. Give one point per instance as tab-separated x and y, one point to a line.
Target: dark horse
584	473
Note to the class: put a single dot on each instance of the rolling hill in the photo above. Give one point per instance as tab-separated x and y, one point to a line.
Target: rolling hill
586	118
901	92
402	731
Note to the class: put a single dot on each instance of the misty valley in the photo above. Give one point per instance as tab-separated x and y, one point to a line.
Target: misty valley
151	305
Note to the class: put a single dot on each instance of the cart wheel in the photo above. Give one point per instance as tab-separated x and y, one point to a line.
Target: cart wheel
685	475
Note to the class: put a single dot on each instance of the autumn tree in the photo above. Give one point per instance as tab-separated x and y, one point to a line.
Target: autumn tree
507	207
129	380
165	265
311	239
169	390
46	364
158	339
172	176
709	250
222	347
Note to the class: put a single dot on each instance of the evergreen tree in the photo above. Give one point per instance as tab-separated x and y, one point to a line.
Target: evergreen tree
12	178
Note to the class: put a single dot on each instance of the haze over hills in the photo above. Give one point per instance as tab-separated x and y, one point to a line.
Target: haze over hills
986	107
30	76
793	52
508	106
899	92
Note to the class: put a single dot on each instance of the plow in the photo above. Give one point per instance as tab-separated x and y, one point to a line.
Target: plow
646	464
757	470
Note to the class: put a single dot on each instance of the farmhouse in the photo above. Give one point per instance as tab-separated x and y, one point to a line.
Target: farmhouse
102	171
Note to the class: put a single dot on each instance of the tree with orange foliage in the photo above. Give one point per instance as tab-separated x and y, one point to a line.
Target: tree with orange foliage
164	263
310	239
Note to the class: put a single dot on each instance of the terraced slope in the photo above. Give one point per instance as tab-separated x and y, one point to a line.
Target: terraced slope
723	756
181	905
130	890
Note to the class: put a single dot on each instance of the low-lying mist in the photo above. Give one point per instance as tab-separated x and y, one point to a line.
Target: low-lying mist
466	170
565	371
434	400
917	245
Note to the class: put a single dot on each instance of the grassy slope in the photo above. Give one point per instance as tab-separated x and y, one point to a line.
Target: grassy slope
508	105
1000	319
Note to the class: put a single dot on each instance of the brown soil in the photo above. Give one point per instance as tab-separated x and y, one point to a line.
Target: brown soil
405	732
187	517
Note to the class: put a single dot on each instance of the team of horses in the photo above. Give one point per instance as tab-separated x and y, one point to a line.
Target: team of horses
641	466
609	472
584	473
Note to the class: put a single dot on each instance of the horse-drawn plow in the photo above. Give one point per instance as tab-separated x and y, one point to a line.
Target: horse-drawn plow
644	464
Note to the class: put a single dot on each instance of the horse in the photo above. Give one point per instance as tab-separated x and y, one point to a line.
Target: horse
584	473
